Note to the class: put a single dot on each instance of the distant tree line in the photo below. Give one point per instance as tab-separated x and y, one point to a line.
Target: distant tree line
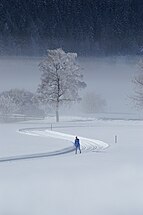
86	27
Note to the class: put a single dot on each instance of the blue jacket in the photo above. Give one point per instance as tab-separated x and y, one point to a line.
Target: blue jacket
77	142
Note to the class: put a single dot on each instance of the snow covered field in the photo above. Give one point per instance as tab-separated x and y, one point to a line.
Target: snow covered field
102	182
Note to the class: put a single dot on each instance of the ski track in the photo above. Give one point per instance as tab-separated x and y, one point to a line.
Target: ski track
87	145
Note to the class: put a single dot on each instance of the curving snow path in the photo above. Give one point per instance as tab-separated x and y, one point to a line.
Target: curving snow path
87	145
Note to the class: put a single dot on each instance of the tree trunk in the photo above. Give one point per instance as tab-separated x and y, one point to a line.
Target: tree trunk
57	112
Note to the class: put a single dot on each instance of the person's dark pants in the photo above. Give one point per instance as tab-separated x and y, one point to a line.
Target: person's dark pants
77	148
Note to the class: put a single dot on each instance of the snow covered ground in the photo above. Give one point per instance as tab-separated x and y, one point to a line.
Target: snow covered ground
102	182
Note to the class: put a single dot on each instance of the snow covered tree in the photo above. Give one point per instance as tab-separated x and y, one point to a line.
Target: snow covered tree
61	79
7	106
19	101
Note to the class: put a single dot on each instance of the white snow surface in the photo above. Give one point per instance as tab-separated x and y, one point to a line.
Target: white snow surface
109	182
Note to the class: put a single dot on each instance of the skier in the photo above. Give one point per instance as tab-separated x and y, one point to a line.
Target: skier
77	145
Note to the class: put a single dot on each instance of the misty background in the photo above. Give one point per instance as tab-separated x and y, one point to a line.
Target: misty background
106	34
110	78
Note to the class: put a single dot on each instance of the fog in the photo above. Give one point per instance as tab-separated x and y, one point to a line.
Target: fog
109	77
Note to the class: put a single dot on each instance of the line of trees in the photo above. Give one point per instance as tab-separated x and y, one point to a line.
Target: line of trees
86	27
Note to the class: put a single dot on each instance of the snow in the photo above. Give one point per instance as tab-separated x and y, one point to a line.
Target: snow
109	181
86	143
